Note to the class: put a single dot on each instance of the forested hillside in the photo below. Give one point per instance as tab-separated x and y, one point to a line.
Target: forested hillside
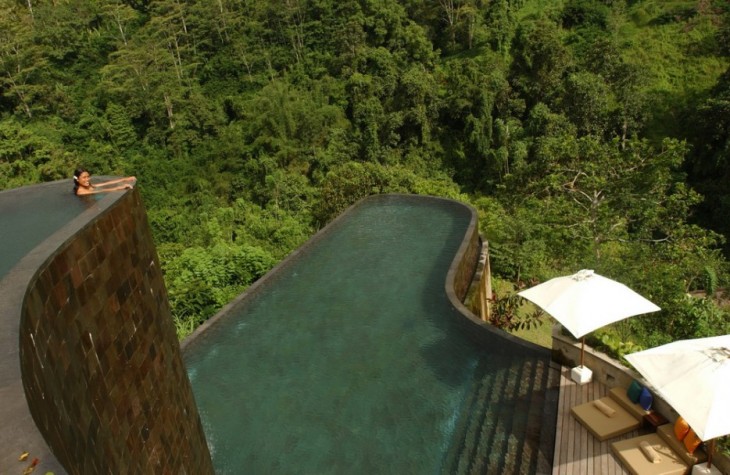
588	133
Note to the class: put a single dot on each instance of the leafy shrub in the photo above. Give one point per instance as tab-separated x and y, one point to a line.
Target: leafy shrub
507	313
613	345
201	280
584	13
675	15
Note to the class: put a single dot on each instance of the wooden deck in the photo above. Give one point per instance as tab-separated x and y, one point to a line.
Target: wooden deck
577	452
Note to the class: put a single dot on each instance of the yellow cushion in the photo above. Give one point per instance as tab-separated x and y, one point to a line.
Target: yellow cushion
691	441
651	454
604	408
681	428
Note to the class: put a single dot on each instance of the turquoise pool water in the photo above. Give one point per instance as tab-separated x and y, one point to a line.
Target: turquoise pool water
350	360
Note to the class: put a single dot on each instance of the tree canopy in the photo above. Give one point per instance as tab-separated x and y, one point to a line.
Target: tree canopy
588	133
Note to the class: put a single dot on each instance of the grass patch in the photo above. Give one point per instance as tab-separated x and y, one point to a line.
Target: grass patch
540	335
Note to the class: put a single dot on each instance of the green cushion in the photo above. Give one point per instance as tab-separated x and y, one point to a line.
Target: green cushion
634	391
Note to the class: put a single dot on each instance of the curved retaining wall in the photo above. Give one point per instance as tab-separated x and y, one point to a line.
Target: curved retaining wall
461	276
100	361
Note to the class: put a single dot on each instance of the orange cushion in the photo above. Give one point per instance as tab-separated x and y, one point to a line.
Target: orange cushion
691	441
681	428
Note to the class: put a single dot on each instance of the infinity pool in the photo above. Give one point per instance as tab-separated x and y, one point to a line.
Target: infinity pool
31	214
350	359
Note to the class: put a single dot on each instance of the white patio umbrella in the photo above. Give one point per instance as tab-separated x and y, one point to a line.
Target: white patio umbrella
693	376
585	301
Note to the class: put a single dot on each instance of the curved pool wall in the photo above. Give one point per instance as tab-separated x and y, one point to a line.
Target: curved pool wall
91	377
503	420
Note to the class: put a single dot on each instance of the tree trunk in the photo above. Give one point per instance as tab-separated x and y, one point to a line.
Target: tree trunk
168	107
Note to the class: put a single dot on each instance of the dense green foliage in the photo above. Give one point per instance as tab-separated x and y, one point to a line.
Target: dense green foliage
588	133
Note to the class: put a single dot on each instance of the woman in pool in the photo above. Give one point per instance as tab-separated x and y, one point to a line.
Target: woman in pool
83	186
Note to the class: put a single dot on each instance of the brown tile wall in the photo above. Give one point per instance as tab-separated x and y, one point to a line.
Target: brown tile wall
100	359
465	263
458	281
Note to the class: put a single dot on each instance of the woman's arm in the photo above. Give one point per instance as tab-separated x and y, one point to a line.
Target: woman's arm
114	182
86	191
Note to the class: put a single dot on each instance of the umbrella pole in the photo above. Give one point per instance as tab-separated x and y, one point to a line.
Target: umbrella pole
709	454
582	349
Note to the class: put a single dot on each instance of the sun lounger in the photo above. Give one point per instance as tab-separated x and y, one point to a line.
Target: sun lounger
632	456
603	424
672	457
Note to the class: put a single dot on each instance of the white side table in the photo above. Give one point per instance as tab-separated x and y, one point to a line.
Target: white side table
581	375
701	469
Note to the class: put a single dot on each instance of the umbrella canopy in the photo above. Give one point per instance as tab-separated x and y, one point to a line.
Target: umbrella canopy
693	376
585	301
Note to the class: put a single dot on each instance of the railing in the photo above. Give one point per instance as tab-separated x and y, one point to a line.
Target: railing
485	283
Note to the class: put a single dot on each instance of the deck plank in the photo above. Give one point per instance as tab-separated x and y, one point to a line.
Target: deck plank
577	452
558	455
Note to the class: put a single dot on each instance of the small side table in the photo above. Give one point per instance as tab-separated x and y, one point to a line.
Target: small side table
701	469
653	419
581	375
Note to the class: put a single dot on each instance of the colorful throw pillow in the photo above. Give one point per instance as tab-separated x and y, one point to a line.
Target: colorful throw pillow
691	442
681	428
645	399
634	391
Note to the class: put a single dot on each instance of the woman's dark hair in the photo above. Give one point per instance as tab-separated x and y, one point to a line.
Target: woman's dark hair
77	174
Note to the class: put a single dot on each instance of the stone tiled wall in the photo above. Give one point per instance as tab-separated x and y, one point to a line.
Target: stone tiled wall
465	263
461	277
100	359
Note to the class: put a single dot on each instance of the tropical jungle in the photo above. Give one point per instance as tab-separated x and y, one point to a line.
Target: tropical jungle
588	134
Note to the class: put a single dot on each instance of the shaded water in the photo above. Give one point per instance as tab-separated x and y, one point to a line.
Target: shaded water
31	214
350	362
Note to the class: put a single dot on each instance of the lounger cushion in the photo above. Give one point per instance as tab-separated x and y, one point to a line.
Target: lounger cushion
651	454
602	426
604	408
634	391
633	458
